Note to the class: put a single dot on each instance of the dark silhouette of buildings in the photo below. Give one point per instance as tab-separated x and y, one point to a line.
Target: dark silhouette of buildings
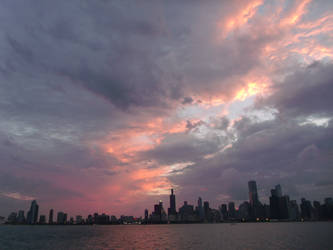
159	215
186	213
280	208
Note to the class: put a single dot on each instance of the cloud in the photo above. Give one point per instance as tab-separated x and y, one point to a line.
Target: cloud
121	100
306	92
270	152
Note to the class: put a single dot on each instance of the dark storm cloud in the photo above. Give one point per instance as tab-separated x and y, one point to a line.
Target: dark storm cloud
182	148
309	91
146	55
98	46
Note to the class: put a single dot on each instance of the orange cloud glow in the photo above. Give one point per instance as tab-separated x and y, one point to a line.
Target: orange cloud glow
254	85
296	13
238	19
125	144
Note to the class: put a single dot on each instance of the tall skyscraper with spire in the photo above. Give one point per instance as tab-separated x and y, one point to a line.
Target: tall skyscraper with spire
172	209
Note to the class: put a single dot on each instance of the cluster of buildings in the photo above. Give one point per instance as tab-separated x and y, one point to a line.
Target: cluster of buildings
280	208
63	219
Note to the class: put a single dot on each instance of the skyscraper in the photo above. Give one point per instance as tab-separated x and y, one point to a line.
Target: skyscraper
207	210
231	210
20	217
172	209
224	211
279	204
146	216
33	213
51	216
186	212
256	208
278	190
253	193
61	218
200	209
159	215
42	219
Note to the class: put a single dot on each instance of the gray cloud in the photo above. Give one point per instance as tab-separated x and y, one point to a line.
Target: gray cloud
306	92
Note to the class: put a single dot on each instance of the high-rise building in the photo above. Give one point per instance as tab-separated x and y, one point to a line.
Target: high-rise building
253	193
159	215
42	219
306	209
293	210
61	218
79	220
12	218
51	216
244	211
207	211
186	213
328	201
146	216
278	190
256	208
172	209
65	218
33	213
231	210
224	211
201	211
274	205
279	204
90	220
20	217
284	207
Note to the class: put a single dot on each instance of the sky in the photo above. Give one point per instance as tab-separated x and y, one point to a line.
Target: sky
107	105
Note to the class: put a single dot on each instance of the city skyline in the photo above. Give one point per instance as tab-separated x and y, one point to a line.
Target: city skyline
110	104
166	199
280	207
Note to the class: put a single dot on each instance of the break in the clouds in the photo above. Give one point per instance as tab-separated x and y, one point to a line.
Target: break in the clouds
106	105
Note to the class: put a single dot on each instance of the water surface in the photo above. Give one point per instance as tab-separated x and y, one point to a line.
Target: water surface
309	235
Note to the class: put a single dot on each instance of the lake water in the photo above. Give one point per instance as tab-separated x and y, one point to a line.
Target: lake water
308	235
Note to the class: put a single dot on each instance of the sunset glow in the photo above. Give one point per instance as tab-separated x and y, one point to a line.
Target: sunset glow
109	105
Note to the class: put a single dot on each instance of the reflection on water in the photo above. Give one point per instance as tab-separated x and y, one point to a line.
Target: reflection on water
316	235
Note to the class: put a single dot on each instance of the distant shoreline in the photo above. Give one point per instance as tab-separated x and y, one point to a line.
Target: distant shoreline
194	223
